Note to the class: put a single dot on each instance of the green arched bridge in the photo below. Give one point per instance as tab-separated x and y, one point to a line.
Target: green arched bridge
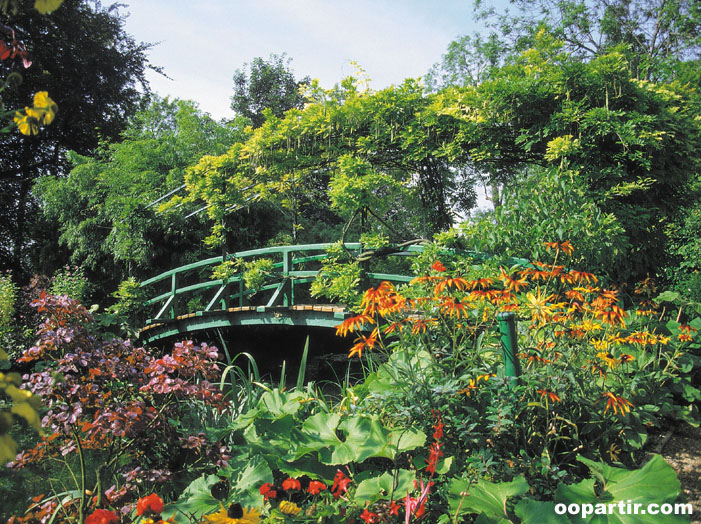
174	294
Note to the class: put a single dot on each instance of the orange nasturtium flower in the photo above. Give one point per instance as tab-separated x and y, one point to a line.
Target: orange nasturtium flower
617	403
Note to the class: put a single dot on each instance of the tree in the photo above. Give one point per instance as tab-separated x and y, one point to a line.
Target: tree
631	144
661	37
266	84
106	206
94	70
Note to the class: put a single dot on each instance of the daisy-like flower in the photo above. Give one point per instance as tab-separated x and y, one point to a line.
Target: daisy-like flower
511	283
546	393
625	358
234	514
608	359
616	403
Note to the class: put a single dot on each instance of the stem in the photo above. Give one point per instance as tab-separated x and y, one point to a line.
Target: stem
82	477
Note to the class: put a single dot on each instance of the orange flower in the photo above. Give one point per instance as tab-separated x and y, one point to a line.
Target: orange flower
454	307
352	323
364	342
315	486
457	282
421	324
150	504
581	276
512	284
625	358
533	358
565	247
102	516
549	394
291	484
438	267
617	403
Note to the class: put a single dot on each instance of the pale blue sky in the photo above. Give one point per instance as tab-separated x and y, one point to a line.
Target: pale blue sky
203	43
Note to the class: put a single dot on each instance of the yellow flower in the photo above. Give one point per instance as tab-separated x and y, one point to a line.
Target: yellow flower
44	104
28	124
233	515
47	6
608	359
289	508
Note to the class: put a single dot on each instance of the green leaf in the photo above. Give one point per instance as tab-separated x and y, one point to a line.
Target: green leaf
537	512
383	487
486	498
196	500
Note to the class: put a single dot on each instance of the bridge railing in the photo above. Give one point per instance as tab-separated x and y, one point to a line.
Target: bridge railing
170	289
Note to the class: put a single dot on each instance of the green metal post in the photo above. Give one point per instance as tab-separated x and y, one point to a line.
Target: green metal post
174	298
509	344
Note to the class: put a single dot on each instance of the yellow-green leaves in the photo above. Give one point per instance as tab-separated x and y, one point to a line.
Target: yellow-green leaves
23	404
47	6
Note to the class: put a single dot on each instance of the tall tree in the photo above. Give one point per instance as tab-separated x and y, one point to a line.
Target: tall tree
266	84
94	71
662	37
107	206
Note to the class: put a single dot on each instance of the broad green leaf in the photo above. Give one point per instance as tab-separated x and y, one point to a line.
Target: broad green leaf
196	500
484	497
383	487
536	512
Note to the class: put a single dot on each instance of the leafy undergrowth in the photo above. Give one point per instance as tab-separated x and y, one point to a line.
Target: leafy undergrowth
435	432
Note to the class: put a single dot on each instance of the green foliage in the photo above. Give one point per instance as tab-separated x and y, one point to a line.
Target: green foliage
654	483
339	277
226	270
72	282
82	56
257	272
266	85
123	233
8	298
551	206
686	249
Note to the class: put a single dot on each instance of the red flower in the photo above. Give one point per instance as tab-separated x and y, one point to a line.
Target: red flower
315	487
394	509
267	491
437	266
291	483
102	516
150	504
340	484
436	454
369	516
438	430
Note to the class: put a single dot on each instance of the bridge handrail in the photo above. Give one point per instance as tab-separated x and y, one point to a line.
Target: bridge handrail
287	265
